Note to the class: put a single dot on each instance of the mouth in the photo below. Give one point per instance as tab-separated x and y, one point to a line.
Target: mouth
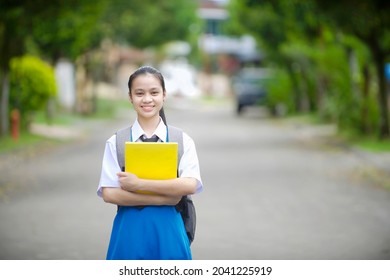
147	108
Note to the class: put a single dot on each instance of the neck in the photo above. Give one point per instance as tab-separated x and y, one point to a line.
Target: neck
149	125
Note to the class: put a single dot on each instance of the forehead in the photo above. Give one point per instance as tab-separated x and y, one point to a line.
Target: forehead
146	81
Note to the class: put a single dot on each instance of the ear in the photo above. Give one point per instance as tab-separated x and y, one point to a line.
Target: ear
130	97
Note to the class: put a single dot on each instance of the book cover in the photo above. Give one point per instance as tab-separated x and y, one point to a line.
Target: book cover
151	160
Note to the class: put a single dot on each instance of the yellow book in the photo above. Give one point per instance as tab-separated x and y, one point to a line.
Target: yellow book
151	160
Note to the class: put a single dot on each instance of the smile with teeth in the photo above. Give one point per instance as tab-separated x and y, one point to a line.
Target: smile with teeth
147	108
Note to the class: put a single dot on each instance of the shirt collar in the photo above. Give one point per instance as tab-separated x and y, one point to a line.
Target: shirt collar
137	131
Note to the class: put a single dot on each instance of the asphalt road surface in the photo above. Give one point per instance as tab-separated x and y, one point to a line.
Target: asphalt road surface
271	192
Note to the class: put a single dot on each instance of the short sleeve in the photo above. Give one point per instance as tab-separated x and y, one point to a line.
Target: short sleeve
110	167
189	163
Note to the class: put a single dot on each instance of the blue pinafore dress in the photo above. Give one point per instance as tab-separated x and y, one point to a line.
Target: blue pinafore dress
148	233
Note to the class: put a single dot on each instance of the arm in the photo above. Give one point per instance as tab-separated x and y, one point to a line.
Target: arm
119	196
189	181
109	187
173	187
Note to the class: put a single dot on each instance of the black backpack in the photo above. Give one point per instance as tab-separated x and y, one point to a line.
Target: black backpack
185	206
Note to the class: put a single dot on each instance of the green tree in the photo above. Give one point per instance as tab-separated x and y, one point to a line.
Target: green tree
11	44
148	23
66	29
275	25
57	28
370	22
52	28
32	83
317	43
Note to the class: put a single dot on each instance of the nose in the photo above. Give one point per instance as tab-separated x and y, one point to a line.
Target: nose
147	98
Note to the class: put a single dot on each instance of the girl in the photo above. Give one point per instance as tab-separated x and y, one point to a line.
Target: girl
156	230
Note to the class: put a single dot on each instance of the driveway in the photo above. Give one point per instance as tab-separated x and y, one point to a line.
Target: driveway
273	190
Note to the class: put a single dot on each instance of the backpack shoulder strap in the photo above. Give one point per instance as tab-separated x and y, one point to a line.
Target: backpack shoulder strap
176	135
122	136
185	206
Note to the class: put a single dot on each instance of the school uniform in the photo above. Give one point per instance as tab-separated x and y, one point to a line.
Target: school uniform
150	232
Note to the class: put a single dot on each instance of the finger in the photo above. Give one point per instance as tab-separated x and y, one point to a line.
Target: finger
121	174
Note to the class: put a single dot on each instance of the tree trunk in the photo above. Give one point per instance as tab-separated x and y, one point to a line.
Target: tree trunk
4	104
365	128
384	128
296	90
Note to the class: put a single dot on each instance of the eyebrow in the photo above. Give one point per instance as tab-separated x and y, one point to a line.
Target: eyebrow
142	89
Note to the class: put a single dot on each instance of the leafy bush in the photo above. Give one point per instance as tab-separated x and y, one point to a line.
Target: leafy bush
279	98
32	83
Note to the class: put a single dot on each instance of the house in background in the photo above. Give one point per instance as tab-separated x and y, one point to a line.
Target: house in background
223	53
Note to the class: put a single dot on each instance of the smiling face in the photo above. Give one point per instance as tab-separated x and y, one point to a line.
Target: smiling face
147	96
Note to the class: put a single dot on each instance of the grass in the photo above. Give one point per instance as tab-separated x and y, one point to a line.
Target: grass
106	109
308	118
372	145
25	139
213	100
59	118
367	143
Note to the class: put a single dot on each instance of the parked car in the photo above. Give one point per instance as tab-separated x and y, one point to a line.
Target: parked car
249	87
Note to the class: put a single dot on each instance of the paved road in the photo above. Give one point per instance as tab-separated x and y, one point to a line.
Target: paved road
271	192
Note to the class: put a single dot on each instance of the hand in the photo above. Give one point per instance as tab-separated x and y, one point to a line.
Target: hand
128	181
172	200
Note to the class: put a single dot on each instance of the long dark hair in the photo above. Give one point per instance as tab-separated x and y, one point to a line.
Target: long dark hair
153	71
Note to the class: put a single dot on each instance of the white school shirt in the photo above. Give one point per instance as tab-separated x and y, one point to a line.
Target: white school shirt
188	165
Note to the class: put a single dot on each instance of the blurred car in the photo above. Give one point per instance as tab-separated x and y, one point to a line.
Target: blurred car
249	87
